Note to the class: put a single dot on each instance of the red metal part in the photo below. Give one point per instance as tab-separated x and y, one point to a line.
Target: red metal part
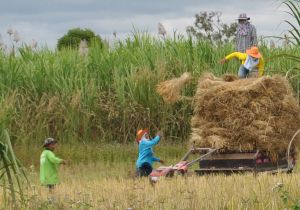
181	167
162	171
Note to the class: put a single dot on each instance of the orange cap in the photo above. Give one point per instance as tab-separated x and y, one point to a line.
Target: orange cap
140	134
253	52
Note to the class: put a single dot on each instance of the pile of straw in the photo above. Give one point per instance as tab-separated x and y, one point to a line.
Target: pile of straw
247	114
170	90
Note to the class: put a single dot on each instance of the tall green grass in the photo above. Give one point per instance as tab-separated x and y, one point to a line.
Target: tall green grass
293	7
11	173
108	95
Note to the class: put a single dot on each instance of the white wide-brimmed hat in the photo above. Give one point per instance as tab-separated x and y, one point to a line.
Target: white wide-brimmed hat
243	16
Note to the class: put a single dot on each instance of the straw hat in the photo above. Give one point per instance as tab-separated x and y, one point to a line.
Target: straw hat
253	52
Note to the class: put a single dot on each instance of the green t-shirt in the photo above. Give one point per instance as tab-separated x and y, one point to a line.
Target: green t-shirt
48	168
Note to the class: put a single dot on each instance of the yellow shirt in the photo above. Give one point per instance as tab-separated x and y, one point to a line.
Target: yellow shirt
243	56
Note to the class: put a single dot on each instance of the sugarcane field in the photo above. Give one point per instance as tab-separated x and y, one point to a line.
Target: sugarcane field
169	105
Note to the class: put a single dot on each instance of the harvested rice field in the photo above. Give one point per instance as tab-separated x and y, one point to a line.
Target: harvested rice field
84	187
92	105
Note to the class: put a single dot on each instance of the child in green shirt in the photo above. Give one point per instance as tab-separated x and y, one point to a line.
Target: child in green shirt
49	164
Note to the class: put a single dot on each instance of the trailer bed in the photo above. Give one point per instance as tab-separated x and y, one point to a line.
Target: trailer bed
239	162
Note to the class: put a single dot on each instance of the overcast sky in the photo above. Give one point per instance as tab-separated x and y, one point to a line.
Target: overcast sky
47	20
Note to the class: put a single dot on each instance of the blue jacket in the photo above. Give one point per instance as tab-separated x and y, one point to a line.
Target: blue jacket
146	152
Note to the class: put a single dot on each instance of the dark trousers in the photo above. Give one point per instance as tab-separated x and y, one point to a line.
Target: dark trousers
50	186
144	170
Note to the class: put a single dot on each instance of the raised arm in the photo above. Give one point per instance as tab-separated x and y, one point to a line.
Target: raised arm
152	142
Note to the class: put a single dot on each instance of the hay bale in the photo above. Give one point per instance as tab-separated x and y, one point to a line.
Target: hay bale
170	90
248	114
230	77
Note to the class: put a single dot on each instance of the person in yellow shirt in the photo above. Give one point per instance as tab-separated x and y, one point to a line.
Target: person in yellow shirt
252	62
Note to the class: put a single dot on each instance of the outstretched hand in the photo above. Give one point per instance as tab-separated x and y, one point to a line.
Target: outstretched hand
161	161
159	133
64	162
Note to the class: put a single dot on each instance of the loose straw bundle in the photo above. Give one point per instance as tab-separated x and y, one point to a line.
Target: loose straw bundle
170	90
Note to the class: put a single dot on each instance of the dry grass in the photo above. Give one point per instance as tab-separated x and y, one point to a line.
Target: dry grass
246	114
85	187
170	90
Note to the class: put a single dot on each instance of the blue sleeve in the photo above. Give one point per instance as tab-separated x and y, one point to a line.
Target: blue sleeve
155	159
152	142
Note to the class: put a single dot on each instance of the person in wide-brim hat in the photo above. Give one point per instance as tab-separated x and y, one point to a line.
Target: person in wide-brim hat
252	62
243	16
245	34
